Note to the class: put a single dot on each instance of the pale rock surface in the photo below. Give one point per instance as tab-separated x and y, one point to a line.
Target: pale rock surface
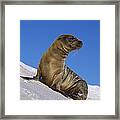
35	90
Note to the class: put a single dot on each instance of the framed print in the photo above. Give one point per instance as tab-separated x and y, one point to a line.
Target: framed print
60	59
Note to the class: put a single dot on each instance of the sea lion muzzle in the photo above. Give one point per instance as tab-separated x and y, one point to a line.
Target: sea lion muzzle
76	44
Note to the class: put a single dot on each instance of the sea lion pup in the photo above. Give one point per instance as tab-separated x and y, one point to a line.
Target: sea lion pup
56	74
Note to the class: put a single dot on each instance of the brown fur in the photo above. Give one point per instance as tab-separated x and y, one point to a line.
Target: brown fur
56	74
52	67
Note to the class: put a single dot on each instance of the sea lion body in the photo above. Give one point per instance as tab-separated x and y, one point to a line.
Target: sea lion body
56	74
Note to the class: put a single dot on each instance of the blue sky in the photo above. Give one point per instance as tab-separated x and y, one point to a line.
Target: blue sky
36	36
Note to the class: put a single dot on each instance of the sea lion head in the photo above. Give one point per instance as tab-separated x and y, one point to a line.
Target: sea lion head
70	42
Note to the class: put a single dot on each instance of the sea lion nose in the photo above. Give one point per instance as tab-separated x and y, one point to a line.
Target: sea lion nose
80	42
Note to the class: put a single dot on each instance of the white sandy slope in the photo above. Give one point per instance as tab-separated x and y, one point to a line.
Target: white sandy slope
35	90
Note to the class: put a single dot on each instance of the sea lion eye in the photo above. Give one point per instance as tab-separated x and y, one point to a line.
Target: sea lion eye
70	38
